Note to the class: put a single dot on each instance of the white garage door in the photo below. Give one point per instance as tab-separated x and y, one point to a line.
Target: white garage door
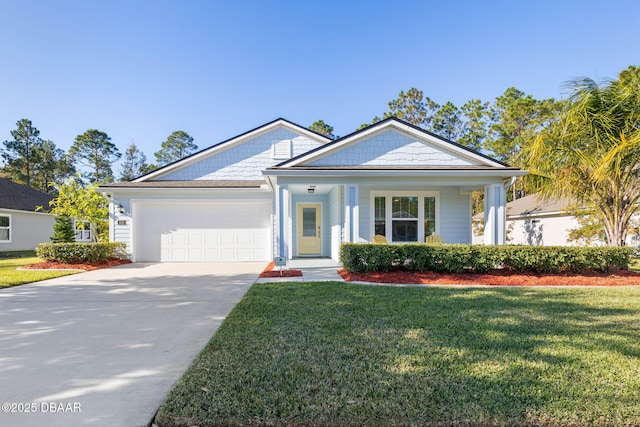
189	231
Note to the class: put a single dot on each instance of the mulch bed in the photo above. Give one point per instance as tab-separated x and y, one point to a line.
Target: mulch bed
87	266
270	272
497	278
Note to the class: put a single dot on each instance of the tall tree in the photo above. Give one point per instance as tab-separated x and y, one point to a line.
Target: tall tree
412	107
23	154
134	163
475	124
516	120
319	126
55	166
177	146
592	152
447	122
94	150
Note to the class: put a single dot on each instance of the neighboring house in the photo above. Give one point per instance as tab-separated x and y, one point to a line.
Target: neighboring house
536	222
21	227
283	190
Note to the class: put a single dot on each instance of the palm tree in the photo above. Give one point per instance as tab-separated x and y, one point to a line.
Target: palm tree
591	152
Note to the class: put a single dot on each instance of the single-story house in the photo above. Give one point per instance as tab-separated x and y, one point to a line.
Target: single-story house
21	227
284	190
534	221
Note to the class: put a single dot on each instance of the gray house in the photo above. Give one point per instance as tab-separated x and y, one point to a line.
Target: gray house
21	227
283	190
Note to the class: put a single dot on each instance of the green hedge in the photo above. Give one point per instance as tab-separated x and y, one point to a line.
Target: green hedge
458	258
80	252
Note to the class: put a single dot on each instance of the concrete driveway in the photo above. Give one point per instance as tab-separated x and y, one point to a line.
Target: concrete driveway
104	348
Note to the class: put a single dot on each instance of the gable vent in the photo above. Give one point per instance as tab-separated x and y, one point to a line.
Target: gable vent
282	149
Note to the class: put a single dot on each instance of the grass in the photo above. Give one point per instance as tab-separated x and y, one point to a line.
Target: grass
334	354
10	261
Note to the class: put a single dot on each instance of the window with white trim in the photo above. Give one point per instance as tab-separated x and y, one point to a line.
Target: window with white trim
5	228
281	149
405	216
83	231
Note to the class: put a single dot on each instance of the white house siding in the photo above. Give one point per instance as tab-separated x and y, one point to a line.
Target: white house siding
541	230
391	148
242	161
28	229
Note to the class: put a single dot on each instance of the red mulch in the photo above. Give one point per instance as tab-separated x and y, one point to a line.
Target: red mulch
498	278
270	272
87	266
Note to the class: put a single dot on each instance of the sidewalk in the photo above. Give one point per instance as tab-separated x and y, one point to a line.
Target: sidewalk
313	270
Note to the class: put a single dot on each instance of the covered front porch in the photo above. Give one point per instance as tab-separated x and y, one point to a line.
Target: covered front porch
313	217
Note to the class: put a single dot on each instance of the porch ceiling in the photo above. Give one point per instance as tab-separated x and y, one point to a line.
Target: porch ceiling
304	189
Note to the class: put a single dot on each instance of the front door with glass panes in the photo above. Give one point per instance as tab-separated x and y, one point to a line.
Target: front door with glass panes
404	217
309	230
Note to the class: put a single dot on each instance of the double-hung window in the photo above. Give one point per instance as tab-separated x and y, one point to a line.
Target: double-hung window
405	216
83	231
5	228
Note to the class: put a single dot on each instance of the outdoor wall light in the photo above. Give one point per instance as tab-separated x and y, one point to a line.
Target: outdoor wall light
310	190
121	209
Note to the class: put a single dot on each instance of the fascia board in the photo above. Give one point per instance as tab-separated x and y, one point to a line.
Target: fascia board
415	133
230	143
439	173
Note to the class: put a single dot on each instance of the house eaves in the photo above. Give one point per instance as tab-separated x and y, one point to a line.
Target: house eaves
280	122
391	122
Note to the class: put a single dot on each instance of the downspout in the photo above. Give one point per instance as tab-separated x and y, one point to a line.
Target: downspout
510	182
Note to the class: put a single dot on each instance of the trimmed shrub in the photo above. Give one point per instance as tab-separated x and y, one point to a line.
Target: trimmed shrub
81	252
460	258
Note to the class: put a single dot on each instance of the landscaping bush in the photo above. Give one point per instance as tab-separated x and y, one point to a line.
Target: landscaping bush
459	258
81	252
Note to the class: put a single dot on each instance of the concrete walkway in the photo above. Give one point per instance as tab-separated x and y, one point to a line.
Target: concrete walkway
313	270
104	348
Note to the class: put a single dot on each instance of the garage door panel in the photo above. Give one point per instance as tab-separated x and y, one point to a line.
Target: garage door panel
238	231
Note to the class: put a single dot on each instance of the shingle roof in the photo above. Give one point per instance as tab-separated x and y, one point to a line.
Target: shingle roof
22	198
534	204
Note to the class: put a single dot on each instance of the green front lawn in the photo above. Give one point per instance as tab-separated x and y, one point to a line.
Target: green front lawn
9	276
335	354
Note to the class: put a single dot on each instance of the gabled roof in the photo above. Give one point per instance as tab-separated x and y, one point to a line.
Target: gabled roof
22	198
280	122
304	159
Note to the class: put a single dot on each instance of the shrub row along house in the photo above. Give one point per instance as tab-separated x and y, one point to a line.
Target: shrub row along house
283	190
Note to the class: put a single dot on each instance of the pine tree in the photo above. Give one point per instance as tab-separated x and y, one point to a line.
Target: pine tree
63	231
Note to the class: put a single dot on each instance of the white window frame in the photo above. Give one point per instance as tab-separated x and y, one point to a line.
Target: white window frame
7	228
85	234
277	149
388	195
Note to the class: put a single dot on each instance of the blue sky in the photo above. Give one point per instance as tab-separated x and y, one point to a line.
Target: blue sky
140	70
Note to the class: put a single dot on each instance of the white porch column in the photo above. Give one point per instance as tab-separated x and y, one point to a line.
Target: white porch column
495	218
352	214
283	222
